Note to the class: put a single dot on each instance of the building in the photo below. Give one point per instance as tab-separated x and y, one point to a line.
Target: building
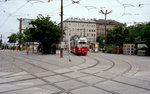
100	25
25	23
81	27
89	28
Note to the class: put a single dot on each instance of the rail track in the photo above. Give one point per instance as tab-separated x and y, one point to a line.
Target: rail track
101	65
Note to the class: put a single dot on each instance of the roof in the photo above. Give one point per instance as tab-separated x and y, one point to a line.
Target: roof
79	20
102	21
99	21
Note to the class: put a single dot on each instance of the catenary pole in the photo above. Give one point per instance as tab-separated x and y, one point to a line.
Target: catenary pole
61	50
61	26
105	13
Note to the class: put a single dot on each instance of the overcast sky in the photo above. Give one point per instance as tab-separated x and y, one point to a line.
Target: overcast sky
128	11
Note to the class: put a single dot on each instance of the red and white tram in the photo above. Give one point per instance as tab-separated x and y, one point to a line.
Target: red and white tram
79	46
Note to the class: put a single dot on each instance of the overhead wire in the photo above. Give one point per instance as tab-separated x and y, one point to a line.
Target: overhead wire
125	6
11	14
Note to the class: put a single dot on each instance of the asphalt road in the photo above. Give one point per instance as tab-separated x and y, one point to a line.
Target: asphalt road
96	73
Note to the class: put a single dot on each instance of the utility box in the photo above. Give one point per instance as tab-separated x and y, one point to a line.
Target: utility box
128	48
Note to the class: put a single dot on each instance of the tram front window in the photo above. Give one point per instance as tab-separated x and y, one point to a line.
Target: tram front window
82	44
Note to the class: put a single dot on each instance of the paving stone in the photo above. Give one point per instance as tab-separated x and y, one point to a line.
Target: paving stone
17	74
145	75
5	73
50	88
49	66
71	84
140	83
34	90
8	87
29	83
89	90
21	77
85	65
42	74
4	80
56	78
64	70
107	75
91	70
75	68
75	74
121	88
91	79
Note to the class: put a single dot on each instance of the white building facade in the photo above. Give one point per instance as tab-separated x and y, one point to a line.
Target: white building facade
81	27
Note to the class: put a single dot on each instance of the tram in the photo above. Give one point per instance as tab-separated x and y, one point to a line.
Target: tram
79	45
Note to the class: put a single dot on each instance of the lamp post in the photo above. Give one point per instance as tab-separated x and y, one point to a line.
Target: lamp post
105	13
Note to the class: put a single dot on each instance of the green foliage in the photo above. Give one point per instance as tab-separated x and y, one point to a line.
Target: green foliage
145	35
117	35
0	43
135	32
100	40
13	47
111	49
122	34
27	35
43	31
12	38
20	38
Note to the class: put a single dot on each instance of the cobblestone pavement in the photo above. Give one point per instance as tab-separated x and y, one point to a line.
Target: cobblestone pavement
96	73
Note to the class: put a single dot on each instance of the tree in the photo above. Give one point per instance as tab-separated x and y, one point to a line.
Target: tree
27	35
0	43
20	39
135	32
116	36
12	38
145	35
100	40
45	32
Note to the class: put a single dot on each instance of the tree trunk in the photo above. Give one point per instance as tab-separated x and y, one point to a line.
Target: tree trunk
46	48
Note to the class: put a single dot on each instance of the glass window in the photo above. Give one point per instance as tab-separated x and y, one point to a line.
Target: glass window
82	44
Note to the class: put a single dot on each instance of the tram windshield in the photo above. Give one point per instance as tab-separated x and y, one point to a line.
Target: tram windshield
81	44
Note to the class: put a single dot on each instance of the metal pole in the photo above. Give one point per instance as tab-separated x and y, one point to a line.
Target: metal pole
20	29
106	12
61	50
105	31
69	46
20	25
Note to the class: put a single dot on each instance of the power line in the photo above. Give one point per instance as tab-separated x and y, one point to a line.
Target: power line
3	23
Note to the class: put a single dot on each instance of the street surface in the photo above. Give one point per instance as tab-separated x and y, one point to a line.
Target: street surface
96	73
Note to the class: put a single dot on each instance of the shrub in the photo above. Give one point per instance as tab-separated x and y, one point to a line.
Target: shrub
111	49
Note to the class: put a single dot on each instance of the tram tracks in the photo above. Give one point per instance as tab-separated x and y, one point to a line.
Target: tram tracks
121	74
113	64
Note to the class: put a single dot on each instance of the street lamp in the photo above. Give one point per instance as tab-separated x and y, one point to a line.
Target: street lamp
105	13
